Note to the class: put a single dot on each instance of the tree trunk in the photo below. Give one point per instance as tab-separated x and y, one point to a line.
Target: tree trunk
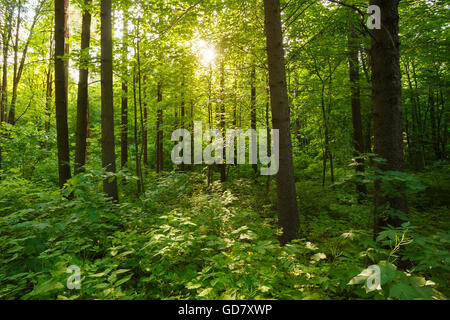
18	67
182	114
66	46
124	107
136	139
288	218
222	166
6	39
62	130
83	95
253	110
387	108
108	150
358	141
12	108
159	131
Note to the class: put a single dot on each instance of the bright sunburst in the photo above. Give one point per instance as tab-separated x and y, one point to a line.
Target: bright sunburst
205	51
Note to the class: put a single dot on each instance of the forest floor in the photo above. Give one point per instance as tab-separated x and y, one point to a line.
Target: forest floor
185	240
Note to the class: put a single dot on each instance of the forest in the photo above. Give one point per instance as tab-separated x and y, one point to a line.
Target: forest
224	150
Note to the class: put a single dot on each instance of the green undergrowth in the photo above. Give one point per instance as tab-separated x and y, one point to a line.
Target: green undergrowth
185	240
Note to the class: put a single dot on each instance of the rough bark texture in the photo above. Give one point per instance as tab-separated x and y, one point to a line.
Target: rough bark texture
83	96
108	150
386	106
62	130
288	218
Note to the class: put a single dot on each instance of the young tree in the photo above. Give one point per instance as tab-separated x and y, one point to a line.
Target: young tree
83	96
108	149
288	218
62	130
387	108
124	107
358	140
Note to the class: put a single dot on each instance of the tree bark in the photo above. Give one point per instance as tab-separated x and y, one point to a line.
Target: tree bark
124	106
6	35
83	95
387	108
253	110
62	130
288	218
107	114
159	131
358	141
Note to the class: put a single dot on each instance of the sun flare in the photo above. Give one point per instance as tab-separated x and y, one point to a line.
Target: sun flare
205	52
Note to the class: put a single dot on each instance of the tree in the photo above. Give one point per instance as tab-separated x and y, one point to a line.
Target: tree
61	97
358	140
83	96
124	107
108	146
287	208
387	109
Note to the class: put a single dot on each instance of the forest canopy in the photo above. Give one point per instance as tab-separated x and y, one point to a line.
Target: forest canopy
118	179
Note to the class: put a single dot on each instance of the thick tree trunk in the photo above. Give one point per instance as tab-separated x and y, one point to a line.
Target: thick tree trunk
83	95
358	141
108	150
60	98
387	108
288	218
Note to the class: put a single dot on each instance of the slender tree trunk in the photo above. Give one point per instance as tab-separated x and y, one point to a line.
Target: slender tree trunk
416	154
358	141
387	108
60	97
124	107
434	132
145	130
253	110
19	66
6	39
182	115
83	95
48	94
222	167
159	131
330	154
136	139
108	150
12	108
288	218
210	119
269	136
66	46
